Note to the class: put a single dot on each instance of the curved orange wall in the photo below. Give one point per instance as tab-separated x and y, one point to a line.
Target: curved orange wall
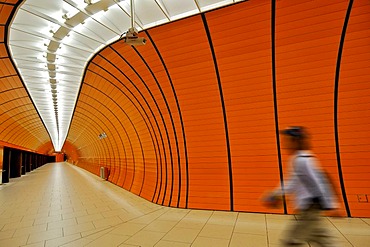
20	124
191	117
354	109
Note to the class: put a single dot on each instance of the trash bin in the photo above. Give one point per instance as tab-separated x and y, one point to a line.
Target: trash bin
104	172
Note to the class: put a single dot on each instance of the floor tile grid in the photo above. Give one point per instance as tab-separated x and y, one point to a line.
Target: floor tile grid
32	223
99	200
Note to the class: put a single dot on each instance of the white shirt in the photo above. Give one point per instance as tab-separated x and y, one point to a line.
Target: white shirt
305	182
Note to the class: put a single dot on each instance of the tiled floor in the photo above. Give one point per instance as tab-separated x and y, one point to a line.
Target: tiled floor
62	205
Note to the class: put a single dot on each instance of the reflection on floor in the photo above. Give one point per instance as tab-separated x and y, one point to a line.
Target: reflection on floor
62	205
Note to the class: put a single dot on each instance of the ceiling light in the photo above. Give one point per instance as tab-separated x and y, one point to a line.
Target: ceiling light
65	17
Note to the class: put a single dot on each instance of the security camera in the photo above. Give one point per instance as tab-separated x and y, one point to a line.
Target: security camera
132	38
134	41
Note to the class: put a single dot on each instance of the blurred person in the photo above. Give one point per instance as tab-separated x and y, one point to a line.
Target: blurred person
311	189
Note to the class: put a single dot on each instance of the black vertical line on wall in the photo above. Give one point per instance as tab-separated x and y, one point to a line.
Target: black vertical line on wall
120	123
336	90
110	138
146	119
92	144
104	142
173	127
160	113
124	129
135	105
273	60
181	121
93	131
223	111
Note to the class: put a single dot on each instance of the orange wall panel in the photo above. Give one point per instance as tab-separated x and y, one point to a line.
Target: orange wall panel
245	68
20	125
353	109
192	117
303	82
206	142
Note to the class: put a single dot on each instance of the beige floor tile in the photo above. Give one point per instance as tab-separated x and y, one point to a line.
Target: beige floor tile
108	240
248	240
248	217
367	221
128	229
14	242
62	223
278	224
161	225
62	240
199	214
179	234
223	218
126	217
353	228
78	243
210	242
128	245
28	230
190	224
359	240
217	231
148	218
98	210
42	236
89	218
75	214
93	212
61	211
43	220
15	225
6	234
7	220
195	219
114	212
145	238
345	220
164	243
39	244
171	214
69	230
35	216
274	236
279	217
111	221
251	227
97	233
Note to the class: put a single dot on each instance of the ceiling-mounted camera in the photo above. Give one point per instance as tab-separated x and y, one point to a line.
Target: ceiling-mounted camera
132	38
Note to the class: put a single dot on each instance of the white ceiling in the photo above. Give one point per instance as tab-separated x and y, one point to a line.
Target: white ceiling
51	42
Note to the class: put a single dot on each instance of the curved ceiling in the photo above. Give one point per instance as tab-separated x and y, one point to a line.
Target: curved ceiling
51	42
20	125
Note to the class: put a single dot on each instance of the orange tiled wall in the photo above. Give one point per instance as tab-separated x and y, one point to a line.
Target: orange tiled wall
20	125
191	117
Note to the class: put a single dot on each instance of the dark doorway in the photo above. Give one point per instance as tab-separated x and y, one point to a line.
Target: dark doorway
6	165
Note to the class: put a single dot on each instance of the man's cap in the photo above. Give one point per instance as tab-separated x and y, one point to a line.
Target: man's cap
294	131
